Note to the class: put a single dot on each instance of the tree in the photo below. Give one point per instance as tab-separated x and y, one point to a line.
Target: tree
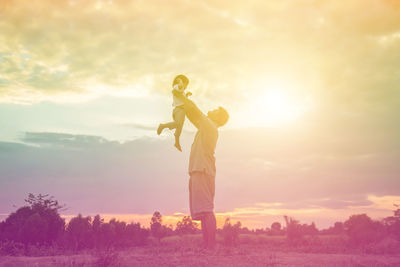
392	223
44	201
338	228
79	232
119	233
96	226
310	229
136	234
38	222
186	226
293	230
231	232
35	229
361	229
107	233
156	227
276	228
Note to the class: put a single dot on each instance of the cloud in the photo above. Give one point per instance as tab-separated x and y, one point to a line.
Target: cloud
90	49
147	127
261	215
86	47
140	126
342	150
299	177
95	171
65	140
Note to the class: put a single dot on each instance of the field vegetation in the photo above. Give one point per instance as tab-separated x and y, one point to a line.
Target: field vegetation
35	234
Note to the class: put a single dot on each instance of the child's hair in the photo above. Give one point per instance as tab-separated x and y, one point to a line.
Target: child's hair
184	79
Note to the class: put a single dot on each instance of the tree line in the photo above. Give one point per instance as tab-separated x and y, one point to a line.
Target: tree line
39	224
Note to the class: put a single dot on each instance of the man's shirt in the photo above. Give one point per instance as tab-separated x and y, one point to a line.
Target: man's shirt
203	148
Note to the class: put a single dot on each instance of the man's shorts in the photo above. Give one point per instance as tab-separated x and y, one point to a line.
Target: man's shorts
201	194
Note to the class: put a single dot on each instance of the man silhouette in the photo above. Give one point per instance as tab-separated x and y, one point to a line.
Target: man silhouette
202	166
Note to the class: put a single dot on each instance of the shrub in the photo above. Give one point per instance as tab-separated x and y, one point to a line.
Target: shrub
294	231
186	226
392	223
79	233
136	235
362	230
37	223
12	248
387	245
107	258
276	229
158	230
230	232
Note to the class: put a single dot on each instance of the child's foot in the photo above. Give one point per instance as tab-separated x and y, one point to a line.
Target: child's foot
178	146
160	128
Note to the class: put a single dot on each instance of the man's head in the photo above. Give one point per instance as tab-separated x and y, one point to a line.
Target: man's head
181	80
220	116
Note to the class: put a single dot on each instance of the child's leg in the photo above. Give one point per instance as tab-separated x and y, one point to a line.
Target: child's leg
170	125
179	117
173	124
177	134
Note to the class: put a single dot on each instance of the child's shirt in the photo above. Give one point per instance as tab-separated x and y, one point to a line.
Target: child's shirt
176	102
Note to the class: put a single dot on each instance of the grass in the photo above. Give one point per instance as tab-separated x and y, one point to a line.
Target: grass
164	255
254	250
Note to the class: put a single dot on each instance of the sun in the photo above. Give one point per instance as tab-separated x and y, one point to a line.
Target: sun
277	105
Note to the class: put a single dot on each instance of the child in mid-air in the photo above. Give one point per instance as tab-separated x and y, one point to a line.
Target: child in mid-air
179	84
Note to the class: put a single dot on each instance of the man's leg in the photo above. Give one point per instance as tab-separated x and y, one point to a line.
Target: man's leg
204	231
211	226
201	192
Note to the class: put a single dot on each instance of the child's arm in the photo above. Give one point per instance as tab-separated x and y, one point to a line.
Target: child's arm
193	113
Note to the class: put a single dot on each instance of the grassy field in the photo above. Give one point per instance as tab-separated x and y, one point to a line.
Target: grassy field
178	251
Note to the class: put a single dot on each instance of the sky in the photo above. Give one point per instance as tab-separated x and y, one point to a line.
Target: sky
312	88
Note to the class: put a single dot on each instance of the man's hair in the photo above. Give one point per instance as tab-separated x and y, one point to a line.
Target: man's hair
223	116
184	79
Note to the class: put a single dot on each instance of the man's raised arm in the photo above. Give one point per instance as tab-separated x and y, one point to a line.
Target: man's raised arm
193	113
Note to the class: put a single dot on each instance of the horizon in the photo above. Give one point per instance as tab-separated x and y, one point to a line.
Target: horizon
172	219
311	88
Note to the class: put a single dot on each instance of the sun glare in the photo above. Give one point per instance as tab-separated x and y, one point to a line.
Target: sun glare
276	105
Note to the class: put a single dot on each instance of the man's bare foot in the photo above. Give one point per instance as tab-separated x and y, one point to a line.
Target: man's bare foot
178	146
160	128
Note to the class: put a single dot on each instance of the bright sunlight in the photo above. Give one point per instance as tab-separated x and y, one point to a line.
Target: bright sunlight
276	105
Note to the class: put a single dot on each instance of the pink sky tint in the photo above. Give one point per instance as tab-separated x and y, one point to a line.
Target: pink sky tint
262	215
311	87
